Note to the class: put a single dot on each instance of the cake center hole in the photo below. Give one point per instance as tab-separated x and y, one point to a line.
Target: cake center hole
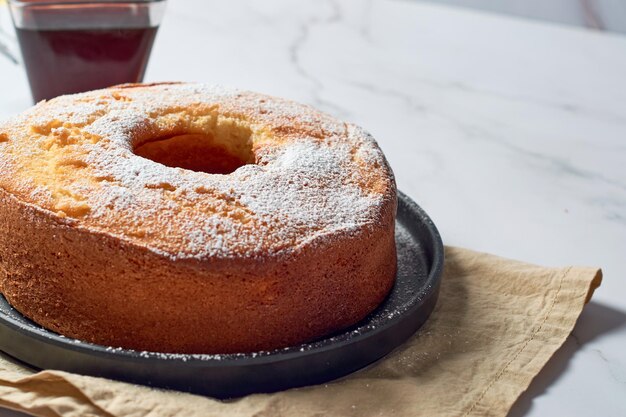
206	152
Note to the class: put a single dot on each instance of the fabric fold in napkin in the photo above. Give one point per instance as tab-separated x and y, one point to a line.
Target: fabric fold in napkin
496	324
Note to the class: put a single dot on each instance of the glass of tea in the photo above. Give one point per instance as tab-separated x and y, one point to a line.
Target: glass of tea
72	46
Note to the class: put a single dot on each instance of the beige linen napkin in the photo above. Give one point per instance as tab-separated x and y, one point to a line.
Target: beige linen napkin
496	324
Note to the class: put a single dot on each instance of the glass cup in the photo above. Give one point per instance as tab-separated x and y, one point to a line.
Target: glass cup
75	45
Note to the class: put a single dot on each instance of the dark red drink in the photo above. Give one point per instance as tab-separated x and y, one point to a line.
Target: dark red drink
70	61
70	46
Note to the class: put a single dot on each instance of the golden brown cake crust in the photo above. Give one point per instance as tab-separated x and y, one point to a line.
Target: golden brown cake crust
102	244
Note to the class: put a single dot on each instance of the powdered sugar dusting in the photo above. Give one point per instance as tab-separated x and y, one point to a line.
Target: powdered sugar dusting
311	180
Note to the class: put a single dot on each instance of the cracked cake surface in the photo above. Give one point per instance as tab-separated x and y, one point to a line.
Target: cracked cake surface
199	204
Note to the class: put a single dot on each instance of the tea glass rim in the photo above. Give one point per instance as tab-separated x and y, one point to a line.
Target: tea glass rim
26	3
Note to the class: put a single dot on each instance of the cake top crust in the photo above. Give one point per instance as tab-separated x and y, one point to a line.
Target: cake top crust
104	160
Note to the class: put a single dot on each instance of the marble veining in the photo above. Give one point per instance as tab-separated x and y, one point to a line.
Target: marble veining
593	14
617	374
295	49
510	133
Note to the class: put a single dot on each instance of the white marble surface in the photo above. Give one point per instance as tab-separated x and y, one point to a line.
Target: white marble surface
510	133
609	15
